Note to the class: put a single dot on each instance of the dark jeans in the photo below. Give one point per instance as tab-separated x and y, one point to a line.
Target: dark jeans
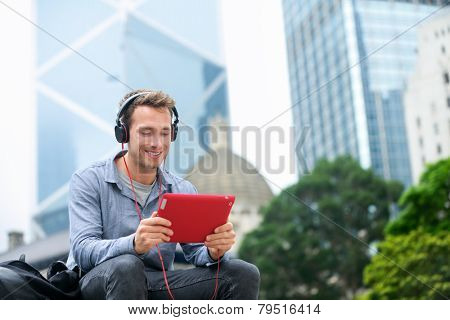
124	277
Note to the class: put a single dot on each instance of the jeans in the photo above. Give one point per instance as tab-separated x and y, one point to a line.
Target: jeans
124	277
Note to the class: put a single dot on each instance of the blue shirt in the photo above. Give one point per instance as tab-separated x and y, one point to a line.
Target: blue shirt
103	219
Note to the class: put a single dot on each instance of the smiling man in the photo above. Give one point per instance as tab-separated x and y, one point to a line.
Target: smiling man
113	225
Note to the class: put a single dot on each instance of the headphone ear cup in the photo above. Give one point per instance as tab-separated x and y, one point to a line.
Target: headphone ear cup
121	133
174	132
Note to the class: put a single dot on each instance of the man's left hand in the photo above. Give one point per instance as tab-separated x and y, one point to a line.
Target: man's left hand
221	240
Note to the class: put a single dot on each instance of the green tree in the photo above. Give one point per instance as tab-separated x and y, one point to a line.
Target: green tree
426	205
301	247
414	260
421	269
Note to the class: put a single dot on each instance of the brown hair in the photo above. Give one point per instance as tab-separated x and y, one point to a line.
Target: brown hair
152	98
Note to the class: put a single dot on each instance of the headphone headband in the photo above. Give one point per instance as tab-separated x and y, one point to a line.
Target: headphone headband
124	105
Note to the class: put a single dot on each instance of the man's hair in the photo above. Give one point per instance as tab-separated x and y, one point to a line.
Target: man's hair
154	99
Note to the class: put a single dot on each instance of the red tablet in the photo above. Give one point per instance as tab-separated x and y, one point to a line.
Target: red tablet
194	216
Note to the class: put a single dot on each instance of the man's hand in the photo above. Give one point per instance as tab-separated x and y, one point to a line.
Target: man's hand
221	240
150	232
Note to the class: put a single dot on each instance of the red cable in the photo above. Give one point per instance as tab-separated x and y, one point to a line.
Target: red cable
217	281
213	297
132	188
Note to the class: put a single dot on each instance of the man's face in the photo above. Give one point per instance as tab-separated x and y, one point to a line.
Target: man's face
150	136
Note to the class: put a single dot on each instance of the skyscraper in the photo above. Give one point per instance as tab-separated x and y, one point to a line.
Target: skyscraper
348	64
111	48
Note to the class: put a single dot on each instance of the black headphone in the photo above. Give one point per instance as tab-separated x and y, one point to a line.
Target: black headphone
121	130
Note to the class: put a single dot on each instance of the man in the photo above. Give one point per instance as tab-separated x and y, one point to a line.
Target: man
115	249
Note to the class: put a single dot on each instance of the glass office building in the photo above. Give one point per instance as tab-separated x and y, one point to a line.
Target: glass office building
348	65
113	46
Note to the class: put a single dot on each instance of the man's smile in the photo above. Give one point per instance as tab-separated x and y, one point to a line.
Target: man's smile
152	154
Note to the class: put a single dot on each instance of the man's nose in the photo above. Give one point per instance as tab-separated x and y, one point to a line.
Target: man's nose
156	141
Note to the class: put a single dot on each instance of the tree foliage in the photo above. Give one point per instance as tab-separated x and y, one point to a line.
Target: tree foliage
414	260
426	205
421	269
306	246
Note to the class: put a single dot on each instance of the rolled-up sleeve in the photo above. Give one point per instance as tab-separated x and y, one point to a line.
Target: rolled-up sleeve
86	229
197	253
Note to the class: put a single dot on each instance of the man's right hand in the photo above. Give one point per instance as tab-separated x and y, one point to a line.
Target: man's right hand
150	232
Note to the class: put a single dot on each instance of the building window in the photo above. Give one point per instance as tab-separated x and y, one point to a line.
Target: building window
443	49
418	122
439	150
421	142
436	128
448	102
446	78
423	160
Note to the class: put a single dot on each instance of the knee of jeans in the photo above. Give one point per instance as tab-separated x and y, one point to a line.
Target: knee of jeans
243	270
127	267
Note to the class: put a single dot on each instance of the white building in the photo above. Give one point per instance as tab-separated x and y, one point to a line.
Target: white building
427	98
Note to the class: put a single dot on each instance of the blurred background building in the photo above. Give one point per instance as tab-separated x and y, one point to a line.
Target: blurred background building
348	66
427	97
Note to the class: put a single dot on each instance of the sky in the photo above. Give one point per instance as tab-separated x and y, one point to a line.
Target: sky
17	163
255	55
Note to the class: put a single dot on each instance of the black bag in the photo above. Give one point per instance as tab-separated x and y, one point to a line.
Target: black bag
19	280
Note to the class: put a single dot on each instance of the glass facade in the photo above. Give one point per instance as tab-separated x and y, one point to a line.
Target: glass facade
129	44
348	69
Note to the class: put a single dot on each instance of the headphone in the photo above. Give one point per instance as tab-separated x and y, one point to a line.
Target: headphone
121	130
